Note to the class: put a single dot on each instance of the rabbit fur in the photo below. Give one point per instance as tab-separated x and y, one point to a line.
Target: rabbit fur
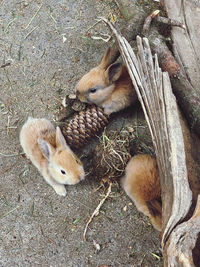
46	147
142	184
107	86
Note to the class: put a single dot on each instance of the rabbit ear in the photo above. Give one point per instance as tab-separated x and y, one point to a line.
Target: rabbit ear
60	140
105	60
113	72
45	147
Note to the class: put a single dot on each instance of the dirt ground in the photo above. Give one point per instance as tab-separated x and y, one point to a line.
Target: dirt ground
48	47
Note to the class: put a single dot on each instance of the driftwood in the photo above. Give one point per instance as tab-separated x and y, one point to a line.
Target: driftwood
182	241
187	94
186	44
186	48
161	112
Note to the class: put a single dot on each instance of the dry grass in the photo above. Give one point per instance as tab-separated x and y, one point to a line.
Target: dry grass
115	154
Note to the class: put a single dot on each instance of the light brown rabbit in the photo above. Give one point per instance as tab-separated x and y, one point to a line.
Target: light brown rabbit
48	151
107	86
142	182
142	185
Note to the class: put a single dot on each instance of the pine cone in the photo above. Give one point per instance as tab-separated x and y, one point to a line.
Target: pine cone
84	126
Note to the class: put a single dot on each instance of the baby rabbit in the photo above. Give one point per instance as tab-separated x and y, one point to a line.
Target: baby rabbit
107	86
142	185
48	151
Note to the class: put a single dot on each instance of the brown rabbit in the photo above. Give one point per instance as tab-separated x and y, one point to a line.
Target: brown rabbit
142	182
48	151
107	86
142	185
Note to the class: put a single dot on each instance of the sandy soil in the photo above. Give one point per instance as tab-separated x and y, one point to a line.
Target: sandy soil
48	48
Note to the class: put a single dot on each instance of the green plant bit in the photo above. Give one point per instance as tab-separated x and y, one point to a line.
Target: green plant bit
33	17
8	25
8	212
30	32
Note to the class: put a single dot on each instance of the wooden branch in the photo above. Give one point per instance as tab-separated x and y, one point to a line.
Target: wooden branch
148	21
182	241
171	22
186	43
186	48
187	95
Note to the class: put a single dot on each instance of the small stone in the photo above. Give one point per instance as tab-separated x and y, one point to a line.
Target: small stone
125	208
64	102
96	245
72	96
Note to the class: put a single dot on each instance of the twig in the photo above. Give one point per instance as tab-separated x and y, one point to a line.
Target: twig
8	125
96	212
141	262
11	228
5	65
33	17
49	239
155	256
58	100
11	155
8	169
51	16
19	51
97	189
6	73
148	20
30	32
12	127
8	212
8	25
154	15
171	22
101	38
94	25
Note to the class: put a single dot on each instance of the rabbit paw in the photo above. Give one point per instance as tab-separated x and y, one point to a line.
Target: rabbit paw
60	190
109	108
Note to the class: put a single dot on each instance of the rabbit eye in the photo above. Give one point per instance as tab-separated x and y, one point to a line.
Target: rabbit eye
63	172
93	90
